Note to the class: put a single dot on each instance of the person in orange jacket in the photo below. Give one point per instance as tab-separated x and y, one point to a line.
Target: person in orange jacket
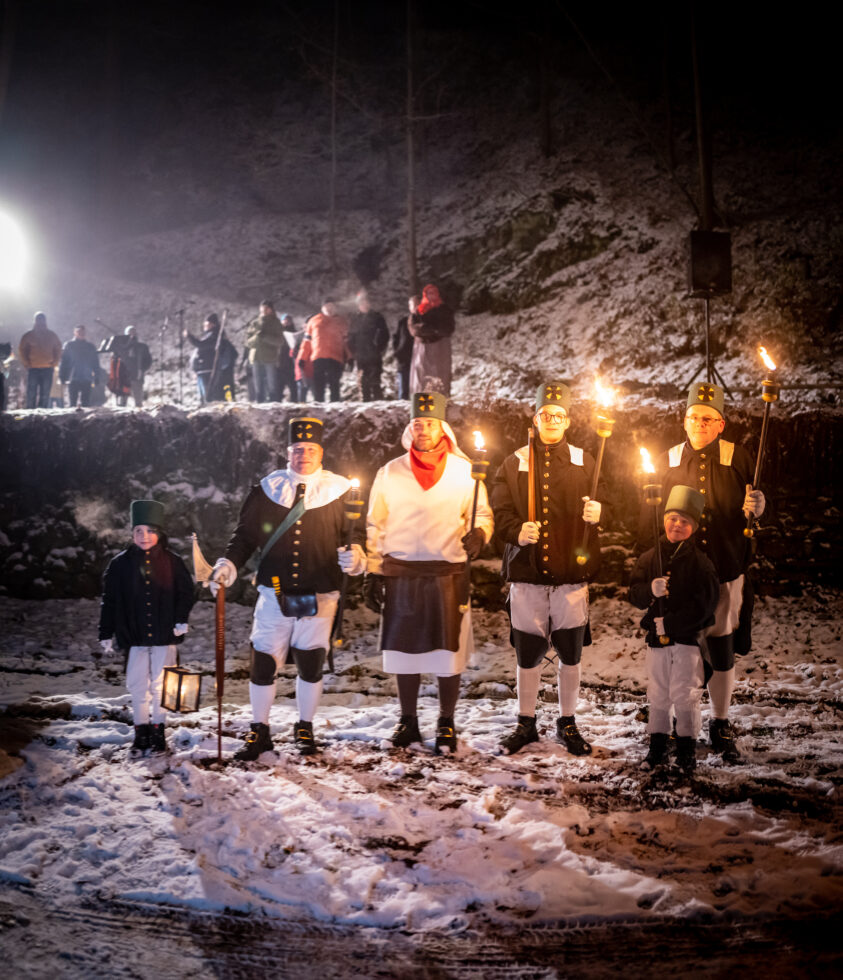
326	345
40	352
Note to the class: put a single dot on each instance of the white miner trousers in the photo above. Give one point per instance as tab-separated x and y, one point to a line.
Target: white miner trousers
675	679
145	680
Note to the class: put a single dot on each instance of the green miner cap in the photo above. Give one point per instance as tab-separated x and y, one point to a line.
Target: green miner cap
553	393
305	430
149	512
706	394
687	501
429	405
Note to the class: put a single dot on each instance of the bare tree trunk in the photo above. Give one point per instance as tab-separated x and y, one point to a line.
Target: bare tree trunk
6	44
332	221
703	137
668	111
545	116
412	265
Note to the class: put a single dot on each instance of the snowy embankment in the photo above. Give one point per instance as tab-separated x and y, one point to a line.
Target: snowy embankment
362	834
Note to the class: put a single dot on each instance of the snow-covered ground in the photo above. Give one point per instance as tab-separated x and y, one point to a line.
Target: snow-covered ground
364	835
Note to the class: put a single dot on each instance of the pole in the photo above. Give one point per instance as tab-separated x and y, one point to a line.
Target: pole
531	476
353	511
219	622
769	393
604	430
164	326
181	355
213	377
653	496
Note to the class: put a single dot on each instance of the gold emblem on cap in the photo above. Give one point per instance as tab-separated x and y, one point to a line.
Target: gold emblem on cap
553	391
426	403
705	393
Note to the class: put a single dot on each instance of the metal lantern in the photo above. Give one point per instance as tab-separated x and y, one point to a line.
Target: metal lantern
181	690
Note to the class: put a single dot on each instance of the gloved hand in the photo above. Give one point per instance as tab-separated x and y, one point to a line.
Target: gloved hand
107	645
374	592
659	624
180	629
473	542
659	586
352	560
223	573
529	533
591	511
754	502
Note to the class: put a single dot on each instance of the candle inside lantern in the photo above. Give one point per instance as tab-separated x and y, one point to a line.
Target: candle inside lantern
181	689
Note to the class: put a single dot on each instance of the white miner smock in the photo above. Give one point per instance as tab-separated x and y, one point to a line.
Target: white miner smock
411	524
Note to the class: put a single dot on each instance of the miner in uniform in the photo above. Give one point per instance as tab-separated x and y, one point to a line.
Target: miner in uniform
548	596
723	473
418	537
296	517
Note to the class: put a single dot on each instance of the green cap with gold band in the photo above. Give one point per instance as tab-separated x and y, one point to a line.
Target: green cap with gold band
687	501
149	512
706	394
553	393
429	405
305	430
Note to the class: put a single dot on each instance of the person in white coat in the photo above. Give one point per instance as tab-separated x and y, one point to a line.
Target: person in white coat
419	535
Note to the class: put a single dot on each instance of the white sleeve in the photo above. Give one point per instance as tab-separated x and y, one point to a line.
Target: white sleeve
376	525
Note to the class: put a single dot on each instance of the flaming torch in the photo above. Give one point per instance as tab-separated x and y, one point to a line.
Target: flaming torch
479	470
653	497
769	394
605	398
353	512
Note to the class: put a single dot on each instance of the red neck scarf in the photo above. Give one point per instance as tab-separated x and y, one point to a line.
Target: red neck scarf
430	298
428	466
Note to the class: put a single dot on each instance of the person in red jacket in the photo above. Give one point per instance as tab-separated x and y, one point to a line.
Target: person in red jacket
326	345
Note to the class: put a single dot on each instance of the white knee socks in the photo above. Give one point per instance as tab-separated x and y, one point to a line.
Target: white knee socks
261	697
720	688
568	680
307	698
529	681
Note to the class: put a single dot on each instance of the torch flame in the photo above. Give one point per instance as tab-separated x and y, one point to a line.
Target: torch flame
646	461
478	440
765	357
604	394
355	483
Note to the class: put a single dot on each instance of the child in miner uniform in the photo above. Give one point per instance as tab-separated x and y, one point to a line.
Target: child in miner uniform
680	603
147	598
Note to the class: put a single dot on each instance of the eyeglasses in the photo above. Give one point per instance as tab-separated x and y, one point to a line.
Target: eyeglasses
704	419
547	418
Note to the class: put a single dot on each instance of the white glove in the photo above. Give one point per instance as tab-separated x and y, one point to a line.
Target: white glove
529	533
180	629
659	623
223	573
352	560
753	502
659	586
591	511
107	645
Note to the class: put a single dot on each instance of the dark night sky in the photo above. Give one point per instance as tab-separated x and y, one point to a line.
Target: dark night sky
92	81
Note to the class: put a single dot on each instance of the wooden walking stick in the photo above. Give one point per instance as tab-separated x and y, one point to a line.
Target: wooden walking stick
219	623
531	475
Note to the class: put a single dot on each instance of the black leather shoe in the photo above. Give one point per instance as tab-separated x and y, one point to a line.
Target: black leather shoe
568	734
406	732
723	739
525	732
303	734
141	742
686	753
157	740
257	741
659	750
446	736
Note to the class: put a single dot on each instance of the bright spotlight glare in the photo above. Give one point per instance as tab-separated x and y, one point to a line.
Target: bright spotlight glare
12	254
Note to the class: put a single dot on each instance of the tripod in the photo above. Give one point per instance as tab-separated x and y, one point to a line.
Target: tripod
711	372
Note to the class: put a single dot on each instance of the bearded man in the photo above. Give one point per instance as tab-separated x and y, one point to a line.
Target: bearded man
419	534
296	517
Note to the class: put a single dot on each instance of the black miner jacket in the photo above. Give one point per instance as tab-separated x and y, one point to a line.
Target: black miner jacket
693	586
145	593
305	556
563	477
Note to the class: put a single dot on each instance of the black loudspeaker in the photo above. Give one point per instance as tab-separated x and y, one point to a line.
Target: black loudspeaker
710	265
